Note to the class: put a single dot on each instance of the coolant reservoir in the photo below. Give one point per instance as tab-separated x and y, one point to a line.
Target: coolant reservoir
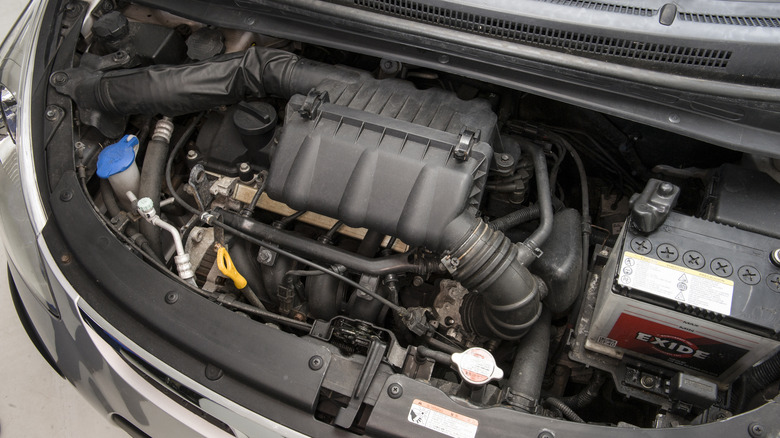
117	163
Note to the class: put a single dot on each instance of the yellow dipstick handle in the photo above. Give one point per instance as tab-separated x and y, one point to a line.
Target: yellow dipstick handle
225	265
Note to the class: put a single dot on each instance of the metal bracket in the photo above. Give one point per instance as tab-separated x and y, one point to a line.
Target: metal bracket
466	141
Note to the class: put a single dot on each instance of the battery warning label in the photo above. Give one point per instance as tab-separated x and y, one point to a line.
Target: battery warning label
442	420
676	283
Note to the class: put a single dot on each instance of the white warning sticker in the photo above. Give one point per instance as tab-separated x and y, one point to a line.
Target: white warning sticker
442	420
676	283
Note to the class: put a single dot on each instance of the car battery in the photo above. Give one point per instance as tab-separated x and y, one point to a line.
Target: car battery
692	295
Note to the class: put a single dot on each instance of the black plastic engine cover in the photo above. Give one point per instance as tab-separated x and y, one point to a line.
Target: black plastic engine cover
372	171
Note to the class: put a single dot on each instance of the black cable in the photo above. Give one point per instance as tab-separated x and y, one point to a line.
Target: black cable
565	410
266	314
585	211
301	273
246	212
287	220
332	231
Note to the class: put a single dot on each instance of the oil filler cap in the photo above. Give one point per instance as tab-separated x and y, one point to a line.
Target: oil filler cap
477	366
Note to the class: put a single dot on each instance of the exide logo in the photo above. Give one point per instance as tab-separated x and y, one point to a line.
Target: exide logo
672	346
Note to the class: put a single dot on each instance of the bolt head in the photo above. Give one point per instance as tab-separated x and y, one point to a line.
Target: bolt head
59	78
417	281
191	155
666	189
244	167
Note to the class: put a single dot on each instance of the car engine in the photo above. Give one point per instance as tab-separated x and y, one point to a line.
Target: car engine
509	250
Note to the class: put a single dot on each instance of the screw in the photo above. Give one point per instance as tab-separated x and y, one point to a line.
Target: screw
505	157
749	275
316	362
66	195
244	167
213	372
417	281
693	260
546	434
59	78
65	259
444	59
756	430
171	297
119	56
395	390
192	155
674	118
249	20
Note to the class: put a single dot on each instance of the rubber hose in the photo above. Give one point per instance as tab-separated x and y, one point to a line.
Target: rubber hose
398	263
485	260
152	175
188	88
439	356
109	200
539	236
522	216
525	380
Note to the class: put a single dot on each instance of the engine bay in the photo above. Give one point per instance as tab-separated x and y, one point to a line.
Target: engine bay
511	251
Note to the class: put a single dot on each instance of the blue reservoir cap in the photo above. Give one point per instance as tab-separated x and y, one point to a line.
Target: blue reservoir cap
117	157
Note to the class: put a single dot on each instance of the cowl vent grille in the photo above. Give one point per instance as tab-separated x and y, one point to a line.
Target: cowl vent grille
730	20
604	7
547	37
